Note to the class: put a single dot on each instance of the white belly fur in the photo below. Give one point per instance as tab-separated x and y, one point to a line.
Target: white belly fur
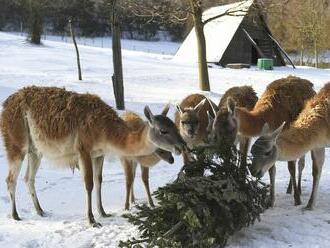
64	152
61	153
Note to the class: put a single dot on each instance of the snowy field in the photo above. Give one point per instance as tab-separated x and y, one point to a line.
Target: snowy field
162	46
152	79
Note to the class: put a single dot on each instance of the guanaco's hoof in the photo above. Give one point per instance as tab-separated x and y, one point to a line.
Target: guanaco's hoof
105	215
41	213
297	202
308	208
16	217
96	224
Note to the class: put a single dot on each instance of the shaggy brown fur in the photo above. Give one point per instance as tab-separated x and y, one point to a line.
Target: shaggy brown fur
282	101
309	132
311	128
244	96
58	113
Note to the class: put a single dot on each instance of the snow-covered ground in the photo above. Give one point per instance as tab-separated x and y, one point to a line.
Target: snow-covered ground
162	47
151	79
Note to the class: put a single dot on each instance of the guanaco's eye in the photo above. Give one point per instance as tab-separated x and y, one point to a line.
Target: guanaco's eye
268	153
163	131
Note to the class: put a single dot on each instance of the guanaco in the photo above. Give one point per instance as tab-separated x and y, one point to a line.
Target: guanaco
282	100
70	129
191	119
130	163
309	132
147	161
244	96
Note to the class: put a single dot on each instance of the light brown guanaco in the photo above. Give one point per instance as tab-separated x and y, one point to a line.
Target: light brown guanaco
309	132
70	129
282	100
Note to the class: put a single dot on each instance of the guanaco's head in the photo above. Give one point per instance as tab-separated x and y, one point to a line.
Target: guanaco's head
162	131
264	151
165	155
190	120
223	123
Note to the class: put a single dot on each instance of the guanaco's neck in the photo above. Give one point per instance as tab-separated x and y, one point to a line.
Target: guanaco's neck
132	142
250	123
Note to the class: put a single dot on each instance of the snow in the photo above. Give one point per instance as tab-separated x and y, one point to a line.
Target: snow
152	79
161	47
218	33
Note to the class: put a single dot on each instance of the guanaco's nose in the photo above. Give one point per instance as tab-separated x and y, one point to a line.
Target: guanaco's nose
191	131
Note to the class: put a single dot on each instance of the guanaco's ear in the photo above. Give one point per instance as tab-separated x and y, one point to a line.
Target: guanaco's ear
199	106
274	135
210	121
165	110
231	105
213	107
179	109
210	117
150	117
265	130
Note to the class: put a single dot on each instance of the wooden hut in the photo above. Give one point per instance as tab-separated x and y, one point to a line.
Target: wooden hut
242	37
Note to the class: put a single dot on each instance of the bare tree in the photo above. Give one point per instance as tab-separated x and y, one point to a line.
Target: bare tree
35	20
117	77
76	48
180	13
304	26
312	28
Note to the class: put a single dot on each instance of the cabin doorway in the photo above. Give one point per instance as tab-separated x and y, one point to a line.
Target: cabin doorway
254	53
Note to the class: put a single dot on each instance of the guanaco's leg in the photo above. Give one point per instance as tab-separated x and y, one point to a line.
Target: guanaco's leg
318	160
145	179
134	166
127	164
244	148
301	166
290	186
272	174
97	173
86	168
13	172
185	157
32	169
292	170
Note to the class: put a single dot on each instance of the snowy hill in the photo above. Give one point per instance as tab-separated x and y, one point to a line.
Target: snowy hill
151	79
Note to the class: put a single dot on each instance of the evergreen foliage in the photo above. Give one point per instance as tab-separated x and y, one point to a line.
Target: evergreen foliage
211	199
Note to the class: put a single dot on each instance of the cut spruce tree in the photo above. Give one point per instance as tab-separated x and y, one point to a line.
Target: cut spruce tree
212	198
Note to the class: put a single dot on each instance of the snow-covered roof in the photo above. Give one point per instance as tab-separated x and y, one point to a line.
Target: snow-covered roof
218	33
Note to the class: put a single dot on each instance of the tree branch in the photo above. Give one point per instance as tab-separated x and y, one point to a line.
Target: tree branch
229	12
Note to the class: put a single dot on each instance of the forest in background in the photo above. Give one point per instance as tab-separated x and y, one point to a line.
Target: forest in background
300	26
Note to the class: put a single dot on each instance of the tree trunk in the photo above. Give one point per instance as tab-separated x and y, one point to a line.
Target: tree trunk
117	77
201	47
302	55
76	47
316	54
35	21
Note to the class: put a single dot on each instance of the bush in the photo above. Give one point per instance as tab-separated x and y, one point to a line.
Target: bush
212	198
